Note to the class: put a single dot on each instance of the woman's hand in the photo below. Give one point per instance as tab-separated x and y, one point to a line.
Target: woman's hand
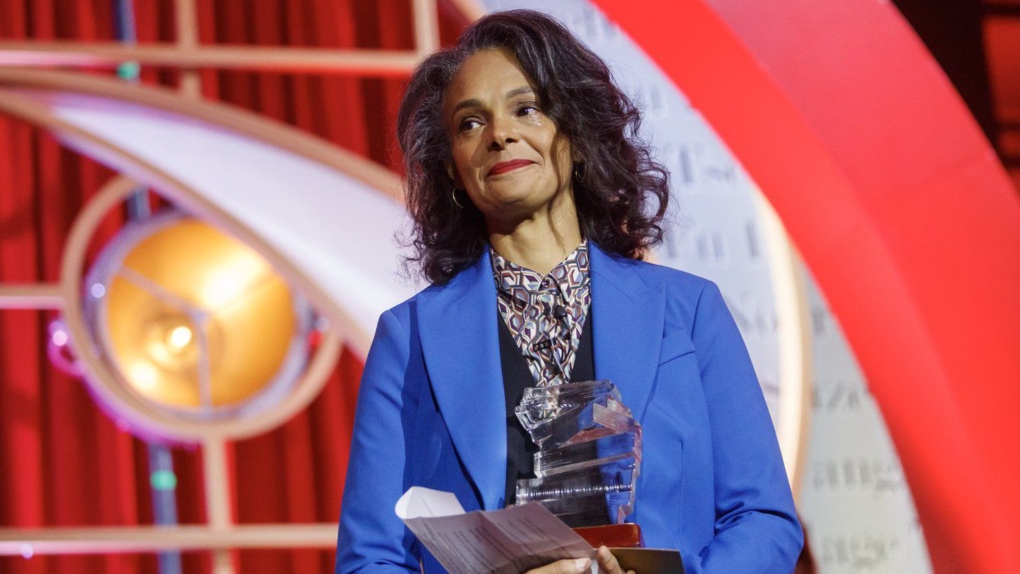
607	565
565	566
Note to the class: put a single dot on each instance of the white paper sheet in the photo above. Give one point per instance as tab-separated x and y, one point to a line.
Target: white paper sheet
508	541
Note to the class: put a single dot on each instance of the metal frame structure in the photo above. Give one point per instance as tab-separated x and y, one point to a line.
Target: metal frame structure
220	534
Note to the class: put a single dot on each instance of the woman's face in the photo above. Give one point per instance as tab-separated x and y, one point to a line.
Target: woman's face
506	152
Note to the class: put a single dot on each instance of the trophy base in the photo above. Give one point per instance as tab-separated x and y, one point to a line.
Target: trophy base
624	535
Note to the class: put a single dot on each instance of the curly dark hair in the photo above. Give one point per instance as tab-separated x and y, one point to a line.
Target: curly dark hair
614	185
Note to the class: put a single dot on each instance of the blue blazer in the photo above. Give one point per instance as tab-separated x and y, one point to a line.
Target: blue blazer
431	412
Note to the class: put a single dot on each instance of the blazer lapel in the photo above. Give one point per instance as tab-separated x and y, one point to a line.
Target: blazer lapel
628	318
460	344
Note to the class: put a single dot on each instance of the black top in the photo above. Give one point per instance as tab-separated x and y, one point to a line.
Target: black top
520	450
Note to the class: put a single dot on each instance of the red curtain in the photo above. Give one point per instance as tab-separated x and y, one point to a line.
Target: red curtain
63	462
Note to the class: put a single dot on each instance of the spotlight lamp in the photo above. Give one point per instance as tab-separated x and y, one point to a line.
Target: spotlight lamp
190	324
219	323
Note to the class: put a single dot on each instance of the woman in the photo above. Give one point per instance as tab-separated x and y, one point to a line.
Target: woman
533	202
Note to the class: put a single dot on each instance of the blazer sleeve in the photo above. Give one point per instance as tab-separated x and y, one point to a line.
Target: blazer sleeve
756	527
372	540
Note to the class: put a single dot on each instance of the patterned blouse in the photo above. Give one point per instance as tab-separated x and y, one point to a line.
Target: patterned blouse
545	315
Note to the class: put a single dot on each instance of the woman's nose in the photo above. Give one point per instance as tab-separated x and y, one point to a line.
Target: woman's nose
502	131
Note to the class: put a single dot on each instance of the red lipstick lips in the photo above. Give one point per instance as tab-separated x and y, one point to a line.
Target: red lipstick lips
506	166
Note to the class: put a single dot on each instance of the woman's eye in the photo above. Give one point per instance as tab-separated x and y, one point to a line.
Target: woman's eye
528	109
468	124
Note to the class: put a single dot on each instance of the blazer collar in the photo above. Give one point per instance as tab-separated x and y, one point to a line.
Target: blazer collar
460	344
628	316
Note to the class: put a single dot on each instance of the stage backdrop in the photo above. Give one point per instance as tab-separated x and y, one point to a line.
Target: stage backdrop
62	461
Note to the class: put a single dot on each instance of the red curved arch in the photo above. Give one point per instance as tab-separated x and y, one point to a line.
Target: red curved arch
904	215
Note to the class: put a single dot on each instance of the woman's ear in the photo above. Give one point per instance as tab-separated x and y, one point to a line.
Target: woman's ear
452	172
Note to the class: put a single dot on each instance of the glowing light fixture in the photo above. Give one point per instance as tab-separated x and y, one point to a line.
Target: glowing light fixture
194	322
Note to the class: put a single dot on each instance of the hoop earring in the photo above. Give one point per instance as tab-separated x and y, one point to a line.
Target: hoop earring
453	196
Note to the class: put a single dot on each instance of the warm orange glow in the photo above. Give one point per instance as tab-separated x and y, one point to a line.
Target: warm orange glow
178	338
190	304
144	376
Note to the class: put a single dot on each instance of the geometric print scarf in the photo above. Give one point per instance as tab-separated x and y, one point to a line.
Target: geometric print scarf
545	315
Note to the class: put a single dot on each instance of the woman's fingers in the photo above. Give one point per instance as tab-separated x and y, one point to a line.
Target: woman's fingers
567	566
608	563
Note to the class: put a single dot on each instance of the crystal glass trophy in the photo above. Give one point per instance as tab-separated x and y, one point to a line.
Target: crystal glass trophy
589	453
